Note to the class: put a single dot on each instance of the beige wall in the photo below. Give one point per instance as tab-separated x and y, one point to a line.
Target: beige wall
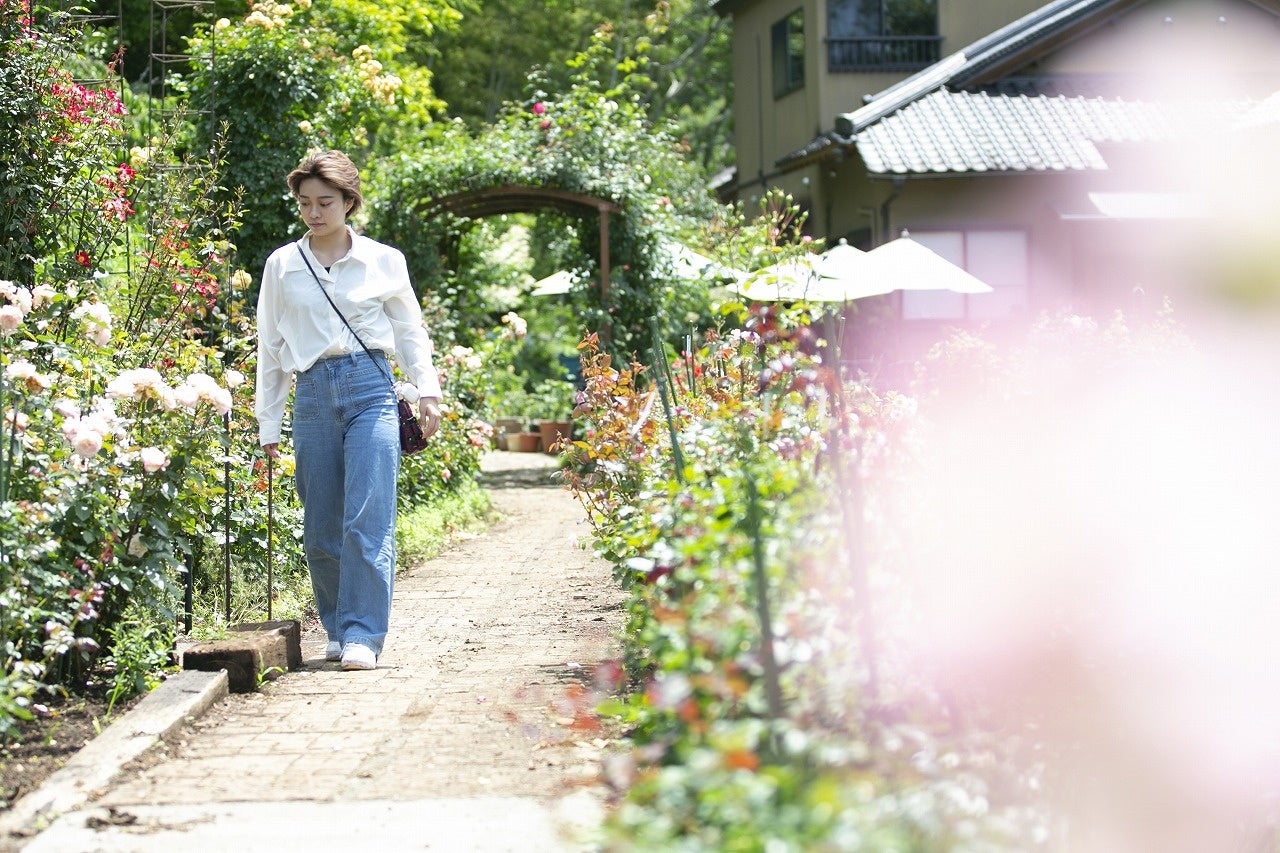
766	128
962	22
1180	47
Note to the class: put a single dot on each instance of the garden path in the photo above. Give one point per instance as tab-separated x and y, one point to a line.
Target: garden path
461	739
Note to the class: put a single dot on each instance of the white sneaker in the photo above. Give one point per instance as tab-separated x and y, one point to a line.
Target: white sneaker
333	651
357	656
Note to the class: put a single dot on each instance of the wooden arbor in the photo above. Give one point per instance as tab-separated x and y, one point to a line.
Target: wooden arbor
512	198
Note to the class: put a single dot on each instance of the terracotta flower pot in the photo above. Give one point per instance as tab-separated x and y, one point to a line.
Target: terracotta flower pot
523	442
508	425
552	431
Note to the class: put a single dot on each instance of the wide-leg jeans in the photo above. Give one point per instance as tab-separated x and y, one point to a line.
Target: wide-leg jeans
346	440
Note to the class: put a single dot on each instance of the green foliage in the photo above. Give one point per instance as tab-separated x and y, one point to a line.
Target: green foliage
423	531
765	456
141	646
759	421
120	337
17	693
685	83
594	140
51	126
452	459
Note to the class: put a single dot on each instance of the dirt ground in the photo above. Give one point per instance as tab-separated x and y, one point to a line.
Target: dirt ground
46	743
499	648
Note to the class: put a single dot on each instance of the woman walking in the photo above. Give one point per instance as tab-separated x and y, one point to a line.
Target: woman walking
333	309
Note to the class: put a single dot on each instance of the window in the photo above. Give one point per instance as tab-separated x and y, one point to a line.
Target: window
788	54
882	35
997	257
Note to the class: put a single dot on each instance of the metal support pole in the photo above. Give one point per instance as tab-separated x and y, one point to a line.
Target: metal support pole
226	519
188	600
271	583
606	328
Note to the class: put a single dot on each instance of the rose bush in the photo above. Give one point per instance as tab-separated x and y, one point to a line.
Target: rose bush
762	712
123	350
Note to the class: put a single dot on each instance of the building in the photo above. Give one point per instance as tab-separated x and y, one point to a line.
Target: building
1068	153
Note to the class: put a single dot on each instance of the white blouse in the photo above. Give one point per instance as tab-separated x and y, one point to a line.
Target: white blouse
297	326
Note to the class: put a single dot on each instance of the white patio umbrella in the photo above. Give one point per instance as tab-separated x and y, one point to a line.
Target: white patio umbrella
840	274
554	284
844	273
904	264
691	265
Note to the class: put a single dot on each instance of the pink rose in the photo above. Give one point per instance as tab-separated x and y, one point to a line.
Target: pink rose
154	459
87	443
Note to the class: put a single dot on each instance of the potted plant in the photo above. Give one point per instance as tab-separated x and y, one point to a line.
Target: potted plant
510	418
552	406
519	422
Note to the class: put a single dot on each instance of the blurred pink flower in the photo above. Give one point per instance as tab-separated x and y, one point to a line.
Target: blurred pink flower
154	459
87	443
10	318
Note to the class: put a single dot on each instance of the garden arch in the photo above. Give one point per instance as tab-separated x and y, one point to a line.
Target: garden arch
516	198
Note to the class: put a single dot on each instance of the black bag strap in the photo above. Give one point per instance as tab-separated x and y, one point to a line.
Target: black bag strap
343	318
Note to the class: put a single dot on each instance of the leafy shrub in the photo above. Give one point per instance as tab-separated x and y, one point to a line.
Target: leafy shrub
814	638
763	713
593	140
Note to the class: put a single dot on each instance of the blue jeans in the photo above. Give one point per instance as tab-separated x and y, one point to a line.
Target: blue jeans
346	439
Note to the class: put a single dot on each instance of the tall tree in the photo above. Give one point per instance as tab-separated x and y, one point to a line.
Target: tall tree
690	67
682	45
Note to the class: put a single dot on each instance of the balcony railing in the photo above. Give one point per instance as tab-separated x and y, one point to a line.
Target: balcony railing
882	53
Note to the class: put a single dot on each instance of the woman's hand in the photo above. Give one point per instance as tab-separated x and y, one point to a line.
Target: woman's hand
429	415
272	450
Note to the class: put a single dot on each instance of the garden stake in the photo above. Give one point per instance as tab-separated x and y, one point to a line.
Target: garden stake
661	351
666	406
271	584
689	370
5	457
188	599
772	688
671	428
226	519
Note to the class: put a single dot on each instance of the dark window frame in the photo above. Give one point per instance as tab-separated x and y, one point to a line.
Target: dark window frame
787	40
883	50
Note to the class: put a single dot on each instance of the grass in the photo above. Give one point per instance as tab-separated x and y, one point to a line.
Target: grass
423	532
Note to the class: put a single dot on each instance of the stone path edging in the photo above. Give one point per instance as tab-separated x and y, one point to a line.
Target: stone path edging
173	704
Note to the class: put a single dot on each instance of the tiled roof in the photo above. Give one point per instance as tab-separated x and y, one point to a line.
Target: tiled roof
948	131
1051	21
964	114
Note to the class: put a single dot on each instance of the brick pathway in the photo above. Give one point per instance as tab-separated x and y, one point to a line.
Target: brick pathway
460	740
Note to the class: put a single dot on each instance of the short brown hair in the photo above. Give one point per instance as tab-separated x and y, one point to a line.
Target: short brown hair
335	169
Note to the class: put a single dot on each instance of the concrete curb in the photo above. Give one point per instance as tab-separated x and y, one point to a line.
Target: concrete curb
178	700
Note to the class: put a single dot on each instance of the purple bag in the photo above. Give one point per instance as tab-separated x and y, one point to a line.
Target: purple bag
411	438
